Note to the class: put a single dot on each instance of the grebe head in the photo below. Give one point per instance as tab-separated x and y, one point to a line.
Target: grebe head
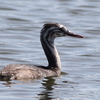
57	30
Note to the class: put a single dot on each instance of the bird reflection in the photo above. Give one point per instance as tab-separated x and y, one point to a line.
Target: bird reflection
48	84
8	83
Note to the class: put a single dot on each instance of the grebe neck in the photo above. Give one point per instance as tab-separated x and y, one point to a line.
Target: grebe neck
47	41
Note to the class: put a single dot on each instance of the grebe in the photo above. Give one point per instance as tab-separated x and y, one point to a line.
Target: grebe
22	71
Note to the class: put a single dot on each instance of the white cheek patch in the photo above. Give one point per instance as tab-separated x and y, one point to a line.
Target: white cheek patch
61	26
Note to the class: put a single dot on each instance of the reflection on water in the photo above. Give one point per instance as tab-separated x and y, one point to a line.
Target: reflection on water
47	93
47	87
20	25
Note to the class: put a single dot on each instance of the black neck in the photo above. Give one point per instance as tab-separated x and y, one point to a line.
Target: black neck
50	51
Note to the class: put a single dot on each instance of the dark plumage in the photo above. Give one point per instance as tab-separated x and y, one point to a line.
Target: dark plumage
21	71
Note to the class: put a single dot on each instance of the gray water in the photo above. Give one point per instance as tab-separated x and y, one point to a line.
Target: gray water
20	25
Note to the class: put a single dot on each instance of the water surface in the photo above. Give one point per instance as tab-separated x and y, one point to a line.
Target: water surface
20	25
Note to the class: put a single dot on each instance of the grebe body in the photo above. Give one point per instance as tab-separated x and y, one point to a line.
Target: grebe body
48	33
